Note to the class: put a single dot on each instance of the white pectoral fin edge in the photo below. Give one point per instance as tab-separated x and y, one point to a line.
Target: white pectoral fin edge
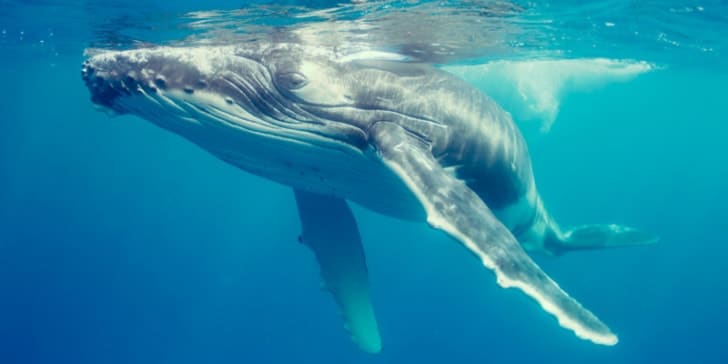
599	333
455	209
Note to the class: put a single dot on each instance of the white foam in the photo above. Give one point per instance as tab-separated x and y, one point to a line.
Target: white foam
532	90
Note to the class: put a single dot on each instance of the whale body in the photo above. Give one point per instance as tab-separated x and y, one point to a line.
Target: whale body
403	139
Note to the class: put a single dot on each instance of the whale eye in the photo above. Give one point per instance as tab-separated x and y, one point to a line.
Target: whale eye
291	80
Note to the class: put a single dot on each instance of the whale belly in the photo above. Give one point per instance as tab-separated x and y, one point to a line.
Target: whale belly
318	165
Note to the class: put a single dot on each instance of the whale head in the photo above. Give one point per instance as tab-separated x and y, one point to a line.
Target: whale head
278	90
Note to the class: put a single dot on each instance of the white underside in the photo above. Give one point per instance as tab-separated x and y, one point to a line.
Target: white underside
298	159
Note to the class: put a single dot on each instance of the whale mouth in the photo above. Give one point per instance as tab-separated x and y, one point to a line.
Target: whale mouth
104	91
107	88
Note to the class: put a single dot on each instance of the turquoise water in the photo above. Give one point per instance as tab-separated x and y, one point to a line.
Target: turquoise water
122	243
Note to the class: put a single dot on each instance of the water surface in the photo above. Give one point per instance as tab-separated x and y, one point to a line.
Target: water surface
121	243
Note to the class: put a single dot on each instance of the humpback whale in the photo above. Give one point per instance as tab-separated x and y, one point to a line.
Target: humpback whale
403	139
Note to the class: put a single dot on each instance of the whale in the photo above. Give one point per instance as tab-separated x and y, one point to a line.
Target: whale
404	139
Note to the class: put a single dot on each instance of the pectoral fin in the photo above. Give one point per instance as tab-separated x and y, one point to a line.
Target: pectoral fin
455	209
330	230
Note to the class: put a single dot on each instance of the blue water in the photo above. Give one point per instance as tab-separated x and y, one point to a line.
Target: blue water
123	243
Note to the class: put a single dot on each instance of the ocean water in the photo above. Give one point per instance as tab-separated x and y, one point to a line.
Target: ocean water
123	243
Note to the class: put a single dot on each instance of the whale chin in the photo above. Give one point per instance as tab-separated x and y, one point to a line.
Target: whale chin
106	91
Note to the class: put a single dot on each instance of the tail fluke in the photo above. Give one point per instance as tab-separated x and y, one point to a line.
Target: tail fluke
589	237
